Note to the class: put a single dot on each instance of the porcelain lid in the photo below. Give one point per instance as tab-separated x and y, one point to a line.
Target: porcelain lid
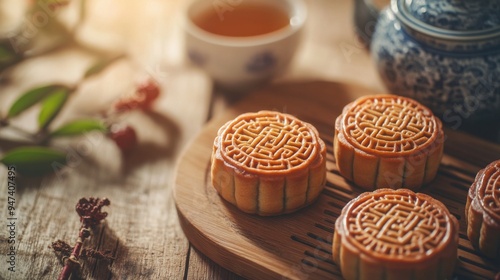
451	19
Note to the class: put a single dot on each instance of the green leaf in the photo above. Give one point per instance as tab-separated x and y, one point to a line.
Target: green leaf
100	66
30	98
34	161
51	106
78	127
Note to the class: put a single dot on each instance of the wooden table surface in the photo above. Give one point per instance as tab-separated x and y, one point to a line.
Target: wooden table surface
142	229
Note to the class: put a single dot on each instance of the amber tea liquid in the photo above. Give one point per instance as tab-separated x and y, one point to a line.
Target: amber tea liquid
246	19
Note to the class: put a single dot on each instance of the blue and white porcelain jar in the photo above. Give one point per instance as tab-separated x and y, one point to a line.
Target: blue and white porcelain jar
443	53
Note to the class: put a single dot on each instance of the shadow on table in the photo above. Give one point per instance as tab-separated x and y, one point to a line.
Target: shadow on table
104	240
148	152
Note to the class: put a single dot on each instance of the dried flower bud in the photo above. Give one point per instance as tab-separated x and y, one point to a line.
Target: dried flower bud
62	247
89	210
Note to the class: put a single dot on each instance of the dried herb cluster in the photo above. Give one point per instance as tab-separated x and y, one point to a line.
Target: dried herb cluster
91	215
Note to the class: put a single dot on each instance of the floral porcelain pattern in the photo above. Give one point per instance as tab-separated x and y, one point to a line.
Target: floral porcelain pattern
196	57
258	63
457	14
451	84
261	62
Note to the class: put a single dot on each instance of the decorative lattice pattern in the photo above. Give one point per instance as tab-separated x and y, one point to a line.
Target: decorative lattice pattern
397	225
274	142
489	190
389	124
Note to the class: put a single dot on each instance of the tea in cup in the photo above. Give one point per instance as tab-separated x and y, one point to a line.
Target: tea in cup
243	43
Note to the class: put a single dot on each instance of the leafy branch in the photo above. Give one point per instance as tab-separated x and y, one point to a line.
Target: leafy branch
36	156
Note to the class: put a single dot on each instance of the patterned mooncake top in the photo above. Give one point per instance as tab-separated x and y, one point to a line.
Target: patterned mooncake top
390	125
487	190
398	225
269	142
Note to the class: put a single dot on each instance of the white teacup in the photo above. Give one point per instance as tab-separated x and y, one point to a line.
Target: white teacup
239	63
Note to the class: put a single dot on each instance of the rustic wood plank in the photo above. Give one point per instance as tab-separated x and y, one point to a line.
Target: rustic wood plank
205	268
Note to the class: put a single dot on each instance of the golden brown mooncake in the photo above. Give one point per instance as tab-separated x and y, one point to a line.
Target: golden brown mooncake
483	211
268	163
395	234
388	141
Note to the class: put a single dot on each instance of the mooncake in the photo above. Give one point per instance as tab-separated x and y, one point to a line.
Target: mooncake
483	211
268	163
388	141
395	234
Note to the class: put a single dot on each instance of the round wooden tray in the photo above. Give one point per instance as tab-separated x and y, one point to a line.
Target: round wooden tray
298	245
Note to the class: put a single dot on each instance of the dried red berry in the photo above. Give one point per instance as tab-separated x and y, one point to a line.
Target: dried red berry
125	138
126	104
143	98
148	92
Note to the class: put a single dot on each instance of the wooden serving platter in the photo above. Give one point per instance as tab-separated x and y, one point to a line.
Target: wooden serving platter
298	245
